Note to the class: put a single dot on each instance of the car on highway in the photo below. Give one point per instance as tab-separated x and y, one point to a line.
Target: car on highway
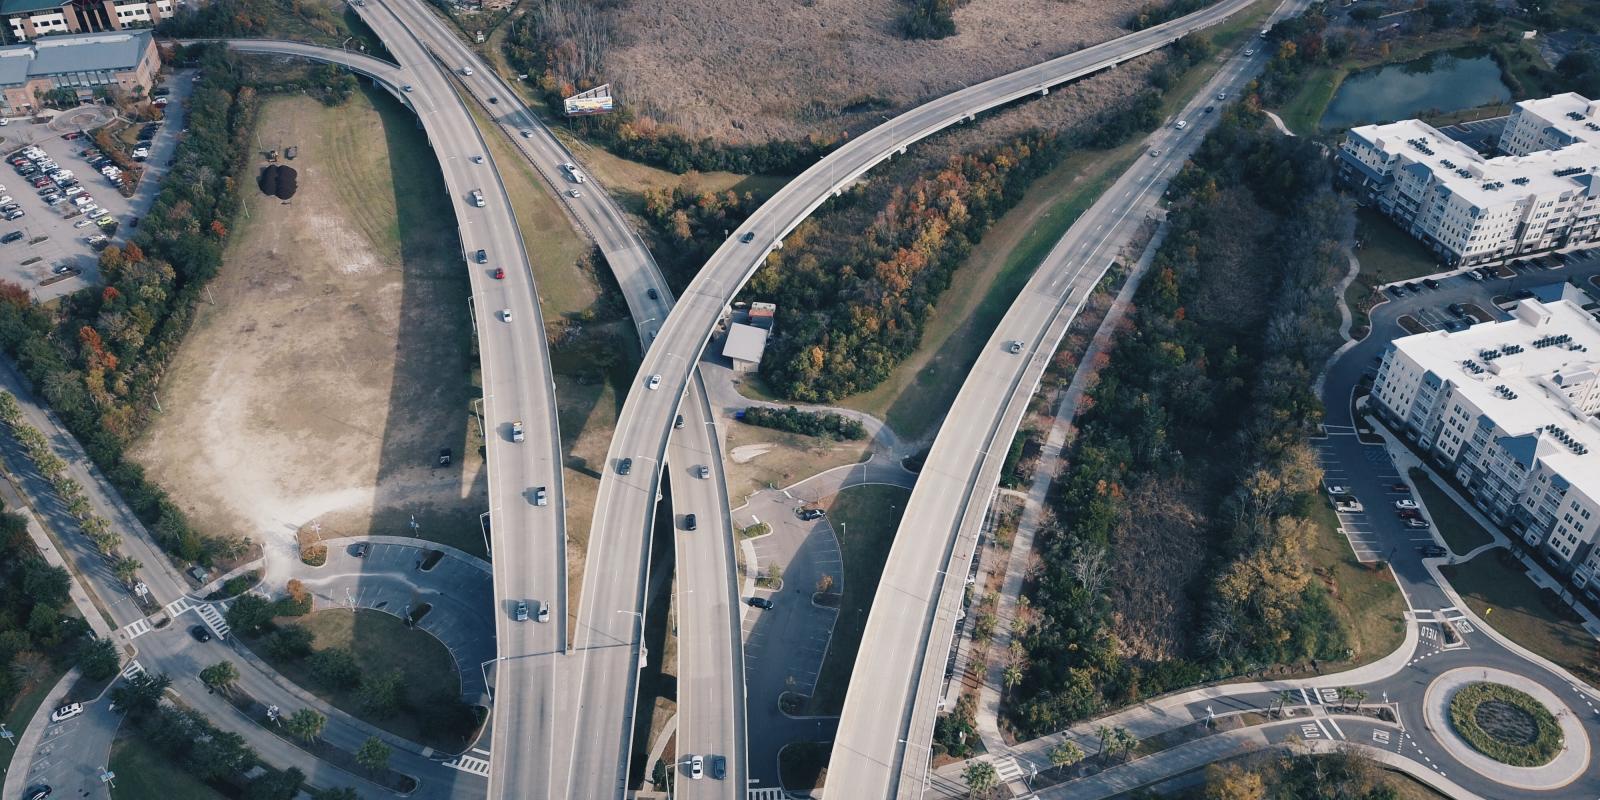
1014	347
477	159
540	496
748	238
66	712
1180	124
574	193
1405	503
1155	152
1222	95
521	613
527	134
697	767
200	633
494	100
517	434
690	522
1249	52
482	256
652	294
541	611
624	466
702	472
406	88
719	767
760	602
654	382
499	273
505	315
466	71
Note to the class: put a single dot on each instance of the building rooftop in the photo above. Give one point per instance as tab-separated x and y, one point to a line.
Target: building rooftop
1488	182
1515	372
56	55
1576	117
9	7
744	342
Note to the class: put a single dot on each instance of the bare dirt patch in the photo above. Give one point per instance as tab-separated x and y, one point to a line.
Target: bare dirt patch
334	360
762	457
785	70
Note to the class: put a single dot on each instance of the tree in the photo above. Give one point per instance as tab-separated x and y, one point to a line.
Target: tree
250	614
1012	677
824	583
1233	782
290	642
1104	732
99	659
336	668
981	778
383	695
1121	741
126	569
220	676
140	694
275	785
1065	754
306	724
219	754
373	754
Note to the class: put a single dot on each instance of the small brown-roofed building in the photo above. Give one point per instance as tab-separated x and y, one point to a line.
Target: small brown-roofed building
744	345
763	315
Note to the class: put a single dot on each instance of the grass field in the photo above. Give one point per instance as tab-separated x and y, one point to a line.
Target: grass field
1500	592
380	643
1461	532
143	773
25	705
1387	254
1365	598
865	519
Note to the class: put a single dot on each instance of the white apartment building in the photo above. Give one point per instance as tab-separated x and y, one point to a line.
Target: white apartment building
1543	195
1509	408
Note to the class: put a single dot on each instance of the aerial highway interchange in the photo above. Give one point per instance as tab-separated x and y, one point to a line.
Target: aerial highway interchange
565	692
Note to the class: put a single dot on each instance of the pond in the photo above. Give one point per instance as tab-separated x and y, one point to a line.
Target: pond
1441	82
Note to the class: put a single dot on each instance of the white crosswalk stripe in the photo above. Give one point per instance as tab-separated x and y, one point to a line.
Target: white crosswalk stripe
178	606
213	619
136	628
133	668
476	766
1008	768
769	793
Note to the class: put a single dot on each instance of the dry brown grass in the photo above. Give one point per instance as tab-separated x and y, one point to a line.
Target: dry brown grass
1152	565
782	70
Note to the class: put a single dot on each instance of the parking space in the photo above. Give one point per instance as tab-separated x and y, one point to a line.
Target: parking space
1481	135
1367	492
67	203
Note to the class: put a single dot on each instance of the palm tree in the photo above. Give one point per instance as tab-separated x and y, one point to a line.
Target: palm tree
220	676
1345	693
306	724
981	778
126	569
1285	697
1012	677
1361	697
1123	741
374	754
1066	754
1104	733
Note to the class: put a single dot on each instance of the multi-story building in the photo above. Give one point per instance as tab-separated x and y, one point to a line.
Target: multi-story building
1509	409
30	19
127	61
1544	194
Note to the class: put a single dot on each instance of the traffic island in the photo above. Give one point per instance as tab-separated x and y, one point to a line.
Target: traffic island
1505	724
1506	727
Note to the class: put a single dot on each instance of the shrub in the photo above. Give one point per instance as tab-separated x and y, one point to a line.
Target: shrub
289	642
98	658
809	423
250	614
336	668
1464	706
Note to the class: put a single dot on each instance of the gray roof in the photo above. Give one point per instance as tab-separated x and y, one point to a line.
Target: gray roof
54	55
9	7
744	342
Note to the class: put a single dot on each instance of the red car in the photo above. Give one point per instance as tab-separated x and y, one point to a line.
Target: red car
499	273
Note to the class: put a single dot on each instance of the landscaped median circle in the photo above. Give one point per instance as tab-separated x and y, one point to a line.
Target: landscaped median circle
1507	728
1505	724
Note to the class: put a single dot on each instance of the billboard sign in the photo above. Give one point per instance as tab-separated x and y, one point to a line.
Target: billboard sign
595	101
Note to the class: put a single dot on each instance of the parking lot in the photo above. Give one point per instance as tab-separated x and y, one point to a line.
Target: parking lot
1456	302
56	252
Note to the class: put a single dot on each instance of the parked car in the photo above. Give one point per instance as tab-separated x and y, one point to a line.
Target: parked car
1433	551
39	792
1405	503
809	514
1348	505
11	237
1457	309
1336	489
1400	487
1430	283
1408	513
1416	522
760	602
66	712
13	216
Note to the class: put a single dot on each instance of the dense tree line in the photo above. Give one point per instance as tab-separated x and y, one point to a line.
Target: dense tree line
36	625
98	357
560	45
929	19
691	225
1154	14
810	423
1211	386
247	18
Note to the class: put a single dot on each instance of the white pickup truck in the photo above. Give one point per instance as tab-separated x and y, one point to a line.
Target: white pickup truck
477	198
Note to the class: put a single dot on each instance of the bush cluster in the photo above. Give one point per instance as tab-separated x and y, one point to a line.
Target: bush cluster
929	19
98	358
1464	706
809	423
36	628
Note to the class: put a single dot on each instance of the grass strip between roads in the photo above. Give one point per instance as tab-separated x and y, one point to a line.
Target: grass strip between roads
143	773
1497	588
865	518
1461	532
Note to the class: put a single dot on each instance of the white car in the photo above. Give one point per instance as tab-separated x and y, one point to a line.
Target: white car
1181	124
406	88
505	315
654	383
1249	53
1337	489
574	193
82	200
4	200
1406	504
74	191
569	166
83	223
66	712
527	134
466	71
697	767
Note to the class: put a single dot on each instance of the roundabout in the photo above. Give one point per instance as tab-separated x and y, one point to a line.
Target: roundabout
1506	727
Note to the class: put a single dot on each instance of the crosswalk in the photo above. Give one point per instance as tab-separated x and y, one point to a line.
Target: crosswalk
466	762
769	793
178	606
213	619
132	668
137	628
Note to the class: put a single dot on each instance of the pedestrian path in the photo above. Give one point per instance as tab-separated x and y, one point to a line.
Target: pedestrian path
137	628
178	606
132	668
213	619
467	762
769	793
